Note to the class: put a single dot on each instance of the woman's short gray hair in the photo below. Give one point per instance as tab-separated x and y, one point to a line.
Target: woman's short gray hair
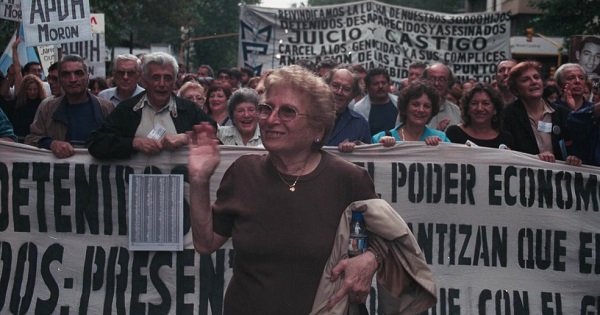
243	95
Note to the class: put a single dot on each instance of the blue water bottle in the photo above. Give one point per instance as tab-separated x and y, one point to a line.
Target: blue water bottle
358	235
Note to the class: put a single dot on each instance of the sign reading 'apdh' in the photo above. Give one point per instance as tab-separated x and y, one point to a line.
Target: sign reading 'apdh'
56	21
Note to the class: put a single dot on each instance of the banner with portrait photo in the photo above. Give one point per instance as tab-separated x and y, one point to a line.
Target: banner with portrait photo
585	50
374	34
503	232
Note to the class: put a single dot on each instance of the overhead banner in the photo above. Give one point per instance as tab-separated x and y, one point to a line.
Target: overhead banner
11	10
503	232
56	22
94	50
374	35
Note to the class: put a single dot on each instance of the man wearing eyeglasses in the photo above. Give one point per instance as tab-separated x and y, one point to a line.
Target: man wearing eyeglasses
442	79
350	126
52	78
151	122
127	69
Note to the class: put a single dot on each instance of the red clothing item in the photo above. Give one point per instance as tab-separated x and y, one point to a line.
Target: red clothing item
282	239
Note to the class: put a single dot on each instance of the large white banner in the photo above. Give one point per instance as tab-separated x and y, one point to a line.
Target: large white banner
55	22
503	232
374	34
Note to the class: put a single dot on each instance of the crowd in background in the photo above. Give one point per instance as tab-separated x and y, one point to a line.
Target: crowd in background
519	110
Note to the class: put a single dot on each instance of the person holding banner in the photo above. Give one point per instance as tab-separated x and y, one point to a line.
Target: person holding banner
242	106
417	104
274	207
67	121
537	127
151	122
482	119
583	120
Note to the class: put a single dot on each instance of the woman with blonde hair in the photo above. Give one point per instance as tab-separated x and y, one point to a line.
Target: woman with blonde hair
193	91
21	111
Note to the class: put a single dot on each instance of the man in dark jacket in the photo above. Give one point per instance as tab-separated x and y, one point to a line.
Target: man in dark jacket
151	122
66	122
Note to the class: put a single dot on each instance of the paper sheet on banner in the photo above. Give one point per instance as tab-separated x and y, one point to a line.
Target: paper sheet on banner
155	212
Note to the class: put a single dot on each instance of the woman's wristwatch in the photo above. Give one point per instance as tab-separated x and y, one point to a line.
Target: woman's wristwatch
378	258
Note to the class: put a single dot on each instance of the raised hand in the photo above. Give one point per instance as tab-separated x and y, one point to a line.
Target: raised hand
204	152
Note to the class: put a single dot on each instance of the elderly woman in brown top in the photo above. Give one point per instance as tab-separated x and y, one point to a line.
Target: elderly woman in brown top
282	209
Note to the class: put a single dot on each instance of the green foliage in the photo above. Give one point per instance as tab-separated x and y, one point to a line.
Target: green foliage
568	17
146	22
218	17
172	22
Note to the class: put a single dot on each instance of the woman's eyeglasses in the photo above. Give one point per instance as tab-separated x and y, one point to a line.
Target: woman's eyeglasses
285	112
196	98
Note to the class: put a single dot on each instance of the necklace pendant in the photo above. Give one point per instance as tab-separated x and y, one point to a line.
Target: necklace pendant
292	189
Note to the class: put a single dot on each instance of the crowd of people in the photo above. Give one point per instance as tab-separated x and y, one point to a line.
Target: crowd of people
554	119
151	104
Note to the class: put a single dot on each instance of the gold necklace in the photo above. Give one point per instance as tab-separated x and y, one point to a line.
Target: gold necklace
402	133
293	185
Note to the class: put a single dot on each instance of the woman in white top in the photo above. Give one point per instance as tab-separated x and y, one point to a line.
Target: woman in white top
242	110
